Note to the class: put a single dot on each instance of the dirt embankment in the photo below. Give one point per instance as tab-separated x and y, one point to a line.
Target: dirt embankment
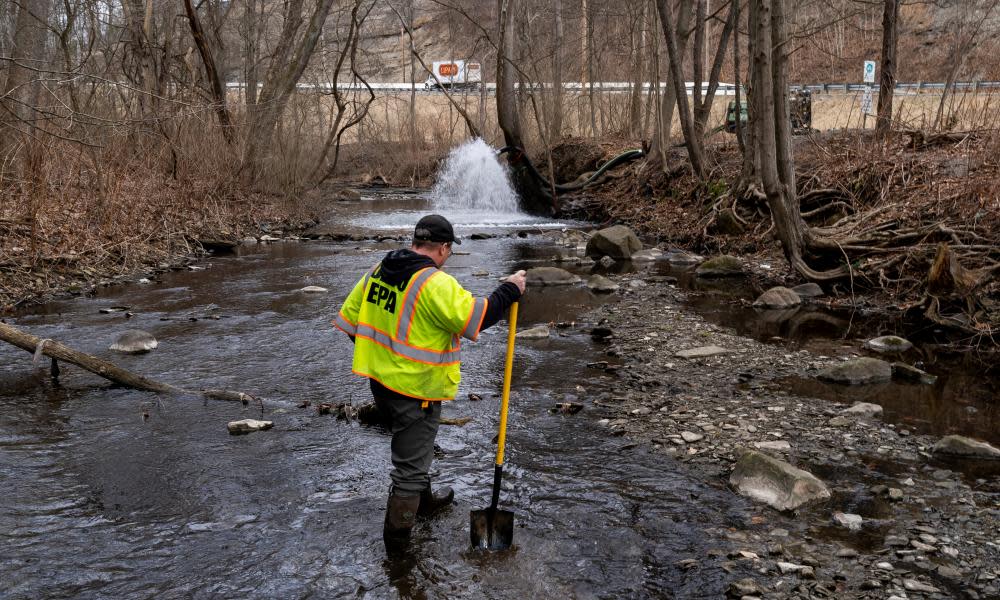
70	242
888	208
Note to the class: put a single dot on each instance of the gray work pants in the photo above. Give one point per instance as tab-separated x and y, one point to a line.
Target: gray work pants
413	432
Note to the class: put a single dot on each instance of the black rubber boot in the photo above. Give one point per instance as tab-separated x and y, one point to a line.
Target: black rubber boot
400	516
431	502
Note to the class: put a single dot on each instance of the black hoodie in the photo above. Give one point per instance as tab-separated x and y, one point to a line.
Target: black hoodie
399	265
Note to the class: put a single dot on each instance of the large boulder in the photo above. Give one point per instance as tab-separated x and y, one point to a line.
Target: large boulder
134	341
858	371
957	445
720	266
775	482
778	298
617	242
551	276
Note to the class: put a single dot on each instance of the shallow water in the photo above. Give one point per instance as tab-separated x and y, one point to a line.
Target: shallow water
111	492
116	493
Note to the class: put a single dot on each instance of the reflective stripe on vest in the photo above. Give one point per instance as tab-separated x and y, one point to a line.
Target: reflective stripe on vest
345	325
406	315
476	317
341	321
432	357
399	345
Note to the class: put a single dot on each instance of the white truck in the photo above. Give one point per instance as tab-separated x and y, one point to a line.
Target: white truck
455	74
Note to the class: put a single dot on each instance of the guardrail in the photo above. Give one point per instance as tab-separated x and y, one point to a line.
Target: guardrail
724	89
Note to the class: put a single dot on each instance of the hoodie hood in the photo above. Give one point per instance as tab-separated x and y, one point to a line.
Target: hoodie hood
399	265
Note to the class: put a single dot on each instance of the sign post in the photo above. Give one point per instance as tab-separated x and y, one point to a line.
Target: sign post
866	96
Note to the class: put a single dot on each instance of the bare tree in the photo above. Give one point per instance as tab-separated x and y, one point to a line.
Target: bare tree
556	116
887	80
693	122
211	71
288	62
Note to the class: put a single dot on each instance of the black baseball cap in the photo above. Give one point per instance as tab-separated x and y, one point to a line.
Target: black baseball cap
435	228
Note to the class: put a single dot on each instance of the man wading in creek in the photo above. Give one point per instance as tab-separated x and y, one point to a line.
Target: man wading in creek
405	317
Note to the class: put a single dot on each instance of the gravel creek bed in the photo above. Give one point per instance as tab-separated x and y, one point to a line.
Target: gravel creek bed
929	529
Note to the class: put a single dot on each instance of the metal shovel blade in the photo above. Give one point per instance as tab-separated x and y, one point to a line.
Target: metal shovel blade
491	529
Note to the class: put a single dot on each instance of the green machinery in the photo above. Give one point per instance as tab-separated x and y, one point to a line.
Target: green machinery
799	108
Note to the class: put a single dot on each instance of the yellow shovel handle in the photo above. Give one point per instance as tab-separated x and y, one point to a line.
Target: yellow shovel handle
505	398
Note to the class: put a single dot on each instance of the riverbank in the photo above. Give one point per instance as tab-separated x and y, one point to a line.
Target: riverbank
916	525
69	246
885	211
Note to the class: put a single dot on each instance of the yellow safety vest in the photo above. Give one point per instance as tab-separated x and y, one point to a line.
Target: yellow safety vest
407	338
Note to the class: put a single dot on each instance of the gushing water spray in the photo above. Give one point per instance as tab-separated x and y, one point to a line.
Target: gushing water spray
473	179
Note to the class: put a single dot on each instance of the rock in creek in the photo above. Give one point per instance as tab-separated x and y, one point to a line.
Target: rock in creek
134	341
775	446
601	284
720	266
681	257
248	426
314	289
858	371
551	276
911	374
848	520
702	352
535	333
957	445
617	242
647	255
775	482
888	344
778	298
348	195
808	291
744	587
863	409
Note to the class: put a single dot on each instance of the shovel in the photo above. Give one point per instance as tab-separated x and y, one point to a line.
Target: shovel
492	528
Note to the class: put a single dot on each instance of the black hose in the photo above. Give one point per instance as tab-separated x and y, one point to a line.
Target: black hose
571	187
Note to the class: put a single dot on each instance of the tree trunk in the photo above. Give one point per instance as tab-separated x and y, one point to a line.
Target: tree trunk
887	81
663	136
588	57
555	119
287	65
251	32
675	59
211	72
413	80
773	136
638	75
533	197
28	54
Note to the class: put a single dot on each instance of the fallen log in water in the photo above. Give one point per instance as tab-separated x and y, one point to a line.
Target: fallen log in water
103	368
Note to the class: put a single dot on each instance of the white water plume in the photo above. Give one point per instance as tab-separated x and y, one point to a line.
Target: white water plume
474	179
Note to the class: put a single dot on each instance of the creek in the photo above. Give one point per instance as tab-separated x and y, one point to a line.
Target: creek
111	492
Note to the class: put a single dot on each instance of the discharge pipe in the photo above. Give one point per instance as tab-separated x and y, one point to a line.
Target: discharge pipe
622	158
